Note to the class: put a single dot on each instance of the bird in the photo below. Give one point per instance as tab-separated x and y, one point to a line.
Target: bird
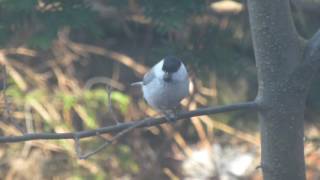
165	85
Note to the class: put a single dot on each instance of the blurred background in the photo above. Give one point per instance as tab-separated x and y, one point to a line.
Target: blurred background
60	55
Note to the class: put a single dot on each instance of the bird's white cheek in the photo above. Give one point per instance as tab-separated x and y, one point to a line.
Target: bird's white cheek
179	76
158	71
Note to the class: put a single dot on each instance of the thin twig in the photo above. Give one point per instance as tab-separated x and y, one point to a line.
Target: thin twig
108	142
28	117
104	80
6	104
110	107
148	122
77	145
109	89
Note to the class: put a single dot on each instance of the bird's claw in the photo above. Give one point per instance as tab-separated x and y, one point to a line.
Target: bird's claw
170	117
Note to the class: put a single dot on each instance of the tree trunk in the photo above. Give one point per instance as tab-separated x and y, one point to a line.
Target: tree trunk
283	85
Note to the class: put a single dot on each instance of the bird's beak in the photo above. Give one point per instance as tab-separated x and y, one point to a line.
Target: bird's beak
167	76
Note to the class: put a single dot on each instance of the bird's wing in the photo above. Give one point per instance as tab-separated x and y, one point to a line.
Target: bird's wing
137	83
148	77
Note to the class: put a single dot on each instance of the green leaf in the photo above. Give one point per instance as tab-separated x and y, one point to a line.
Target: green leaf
122	99
35	94
90	121
68	101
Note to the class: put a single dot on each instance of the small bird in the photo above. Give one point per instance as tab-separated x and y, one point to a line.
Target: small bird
165	85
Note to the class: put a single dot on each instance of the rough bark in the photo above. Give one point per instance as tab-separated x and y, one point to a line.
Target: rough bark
285	69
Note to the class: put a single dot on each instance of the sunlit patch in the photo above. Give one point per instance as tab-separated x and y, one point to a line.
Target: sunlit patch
217	161
227	7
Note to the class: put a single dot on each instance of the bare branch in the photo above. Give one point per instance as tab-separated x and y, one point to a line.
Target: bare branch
105	144
309	6
147	122
109	88
302	76
110	107
6	105
104	80
115	119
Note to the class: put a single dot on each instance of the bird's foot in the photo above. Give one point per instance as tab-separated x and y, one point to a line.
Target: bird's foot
170	117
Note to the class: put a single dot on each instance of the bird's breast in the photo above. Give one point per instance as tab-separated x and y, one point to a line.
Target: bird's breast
165	95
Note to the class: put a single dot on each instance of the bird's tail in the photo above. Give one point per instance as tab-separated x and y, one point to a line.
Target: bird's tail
137	83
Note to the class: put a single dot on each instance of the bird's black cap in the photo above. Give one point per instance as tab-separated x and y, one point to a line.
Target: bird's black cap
171	64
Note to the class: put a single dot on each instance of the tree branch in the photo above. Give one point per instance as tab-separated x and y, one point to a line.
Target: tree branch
105	144
301	78
147	122
277	45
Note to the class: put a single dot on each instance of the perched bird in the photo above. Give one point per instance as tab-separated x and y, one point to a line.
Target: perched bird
165	85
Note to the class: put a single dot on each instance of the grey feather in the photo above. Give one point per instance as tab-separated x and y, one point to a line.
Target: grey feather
137	83
148	77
